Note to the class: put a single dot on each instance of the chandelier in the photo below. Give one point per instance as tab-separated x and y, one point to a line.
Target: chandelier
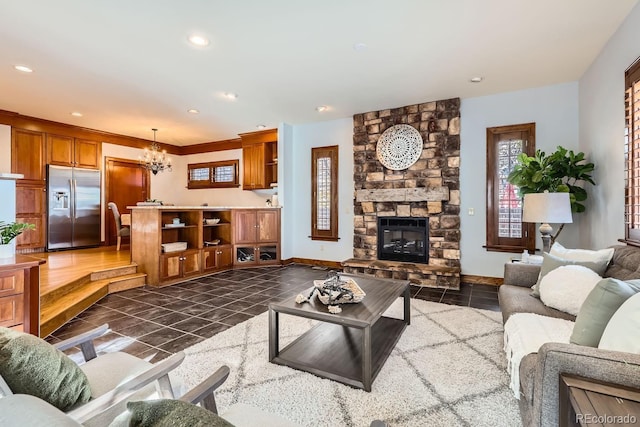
154	159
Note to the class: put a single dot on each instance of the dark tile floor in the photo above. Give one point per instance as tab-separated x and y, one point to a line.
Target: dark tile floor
156	322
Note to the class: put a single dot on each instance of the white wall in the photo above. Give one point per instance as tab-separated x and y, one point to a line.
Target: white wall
554	109
171	187
285	189
298	199
601	103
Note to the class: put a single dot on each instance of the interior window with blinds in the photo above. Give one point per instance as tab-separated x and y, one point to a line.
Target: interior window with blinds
324	193
213	174
632	154
505	230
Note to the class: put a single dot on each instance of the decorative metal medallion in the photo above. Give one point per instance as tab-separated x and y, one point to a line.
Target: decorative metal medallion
399	147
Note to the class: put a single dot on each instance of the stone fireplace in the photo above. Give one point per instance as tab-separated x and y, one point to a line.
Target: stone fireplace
427	191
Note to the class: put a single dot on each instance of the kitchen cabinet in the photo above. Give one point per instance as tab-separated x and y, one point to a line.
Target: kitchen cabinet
256	225
20	293
76	152
210	245
28	154
217	257
251	256
28	158
259	159
257	237
176	265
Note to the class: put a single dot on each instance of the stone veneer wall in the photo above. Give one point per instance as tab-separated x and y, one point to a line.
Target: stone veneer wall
438	169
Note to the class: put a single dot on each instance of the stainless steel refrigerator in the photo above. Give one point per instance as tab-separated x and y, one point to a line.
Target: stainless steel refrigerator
73	207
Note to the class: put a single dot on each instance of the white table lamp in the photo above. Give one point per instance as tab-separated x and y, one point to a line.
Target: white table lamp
547	208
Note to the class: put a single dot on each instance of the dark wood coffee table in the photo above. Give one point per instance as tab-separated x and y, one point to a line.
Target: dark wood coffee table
349	347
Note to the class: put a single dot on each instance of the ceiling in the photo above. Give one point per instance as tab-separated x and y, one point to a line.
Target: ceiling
127	65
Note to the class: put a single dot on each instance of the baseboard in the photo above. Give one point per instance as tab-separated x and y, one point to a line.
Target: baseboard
315	262
481	280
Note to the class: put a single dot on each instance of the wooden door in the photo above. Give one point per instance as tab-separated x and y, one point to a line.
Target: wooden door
59	150
87	154
245	226
191	262
126	183
268	225
28	154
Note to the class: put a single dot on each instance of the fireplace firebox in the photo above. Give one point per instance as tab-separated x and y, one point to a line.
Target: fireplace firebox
403	239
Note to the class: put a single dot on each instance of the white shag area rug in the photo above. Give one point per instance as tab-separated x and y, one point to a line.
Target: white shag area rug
448	369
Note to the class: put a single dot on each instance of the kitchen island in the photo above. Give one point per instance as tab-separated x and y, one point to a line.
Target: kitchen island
173	243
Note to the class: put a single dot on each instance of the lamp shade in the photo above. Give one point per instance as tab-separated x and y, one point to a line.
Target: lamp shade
547	208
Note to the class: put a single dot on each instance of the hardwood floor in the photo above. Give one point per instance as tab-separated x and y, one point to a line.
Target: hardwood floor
66	266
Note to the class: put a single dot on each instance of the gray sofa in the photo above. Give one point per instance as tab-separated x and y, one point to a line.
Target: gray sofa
539	372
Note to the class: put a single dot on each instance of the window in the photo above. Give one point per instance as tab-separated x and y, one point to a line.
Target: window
324	193
505	230
213	174
632	154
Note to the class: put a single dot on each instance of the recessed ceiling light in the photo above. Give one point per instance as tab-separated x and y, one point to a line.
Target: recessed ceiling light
359	47
23	68
476	79
193	111
230	95
198	40
321	108
261	127
76	114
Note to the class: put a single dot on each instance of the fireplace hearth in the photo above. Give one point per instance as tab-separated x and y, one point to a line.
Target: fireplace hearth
403	239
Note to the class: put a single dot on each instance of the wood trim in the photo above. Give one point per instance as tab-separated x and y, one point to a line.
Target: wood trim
526	131
314	262
207	147
481	280
35	124
332	153
259	137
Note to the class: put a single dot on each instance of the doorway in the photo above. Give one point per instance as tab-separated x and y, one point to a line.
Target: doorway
126	183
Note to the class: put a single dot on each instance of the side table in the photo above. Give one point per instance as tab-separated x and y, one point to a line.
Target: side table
585	402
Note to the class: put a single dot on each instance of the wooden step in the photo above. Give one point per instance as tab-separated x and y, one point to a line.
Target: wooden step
115	272
130	281
55	294
63	304
55	314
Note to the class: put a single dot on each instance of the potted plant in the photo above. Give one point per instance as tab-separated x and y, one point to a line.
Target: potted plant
562	171
8	232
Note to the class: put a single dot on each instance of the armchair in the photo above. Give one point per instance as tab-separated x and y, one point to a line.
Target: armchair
110	376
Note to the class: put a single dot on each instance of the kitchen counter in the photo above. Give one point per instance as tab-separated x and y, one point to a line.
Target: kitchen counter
204	208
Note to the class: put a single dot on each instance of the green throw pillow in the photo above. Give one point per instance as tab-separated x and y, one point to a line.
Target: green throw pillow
596	311
550	262
32	366
172	413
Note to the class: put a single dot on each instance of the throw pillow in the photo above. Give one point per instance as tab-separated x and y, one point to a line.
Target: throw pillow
32	366
566	288
169	413
550	263
623	330
600	256
596	311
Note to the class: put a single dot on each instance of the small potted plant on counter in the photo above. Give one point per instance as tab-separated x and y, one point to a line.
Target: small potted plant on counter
8	232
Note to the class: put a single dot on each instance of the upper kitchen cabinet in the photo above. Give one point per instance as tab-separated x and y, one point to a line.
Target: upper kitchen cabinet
70	151
28	154
259	159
